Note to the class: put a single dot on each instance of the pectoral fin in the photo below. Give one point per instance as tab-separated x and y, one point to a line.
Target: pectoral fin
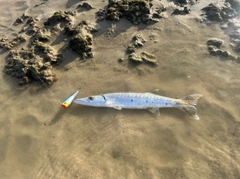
117	107
155	91
154	111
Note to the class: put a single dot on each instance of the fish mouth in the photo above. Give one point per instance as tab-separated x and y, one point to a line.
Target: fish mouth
82	101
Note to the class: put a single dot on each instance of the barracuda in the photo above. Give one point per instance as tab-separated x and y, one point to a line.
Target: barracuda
149	101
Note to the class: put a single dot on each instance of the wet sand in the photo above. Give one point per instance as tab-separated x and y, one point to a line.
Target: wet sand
39	139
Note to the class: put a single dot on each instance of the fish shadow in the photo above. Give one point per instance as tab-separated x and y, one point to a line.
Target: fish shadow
100	112
61	113
57	117
77	111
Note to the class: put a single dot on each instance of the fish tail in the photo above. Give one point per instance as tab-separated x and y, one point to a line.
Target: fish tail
188	103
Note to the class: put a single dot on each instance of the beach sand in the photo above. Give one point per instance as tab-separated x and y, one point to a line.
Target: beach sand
39	139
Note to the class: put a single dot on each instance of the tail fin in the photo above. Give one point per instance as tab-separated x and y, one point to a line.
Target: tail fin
187	105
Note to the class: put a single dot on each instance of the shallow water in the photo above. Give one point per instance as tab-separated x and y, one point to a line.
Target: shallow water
38	139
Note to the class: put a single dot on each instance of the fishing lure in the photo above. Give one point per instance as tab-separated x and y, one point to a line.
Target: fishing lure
68	101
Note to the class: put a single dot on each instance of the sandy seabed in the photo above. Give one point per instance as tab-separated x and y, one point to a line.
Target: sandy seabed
39	139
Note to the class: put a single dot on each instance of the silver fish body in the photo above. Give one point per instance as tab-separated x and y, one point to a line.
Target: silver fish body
142	101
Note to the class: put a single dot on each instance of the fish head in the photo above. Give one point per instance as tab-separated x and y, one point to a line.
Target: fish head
92	101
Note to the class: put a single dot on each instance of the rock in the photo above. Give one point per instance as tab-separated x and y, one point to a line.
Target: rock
46	52
120	60
156	16
180	2
81	38
148	57
73	30
223	53
144	57
32	21
235	35
5	43
219	11
137	11
214	45
36	61
33	28
138	40
42	35
183	11
41	3
131	49
84	6
234	3
135	58
218	52
18	21
224	26
21	19
60	16
236	45
215	42
184	2
81	43
101	15
27	67
113	14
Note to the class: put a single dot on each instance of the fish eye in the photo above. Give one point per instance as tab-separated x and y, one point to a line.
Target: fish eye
91	97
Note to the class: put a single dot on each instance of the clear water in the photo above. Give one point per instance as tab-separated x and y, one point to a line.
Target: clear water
39	139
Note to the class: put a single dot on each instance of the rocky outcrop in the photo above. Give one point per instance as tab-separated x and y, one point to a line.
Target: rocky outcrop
81	39
27	67
183	11
60	16
136	11
214	45
138	41
234	3
185	2
215	42
84	7
219	11
9	44
35	60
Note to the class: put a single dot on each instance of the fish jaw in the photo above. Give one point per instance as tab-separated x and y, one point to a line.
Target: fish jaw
96	101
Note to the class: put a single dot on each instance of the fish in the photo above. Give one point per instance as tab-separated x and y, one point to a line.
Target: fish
68	101
149	101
